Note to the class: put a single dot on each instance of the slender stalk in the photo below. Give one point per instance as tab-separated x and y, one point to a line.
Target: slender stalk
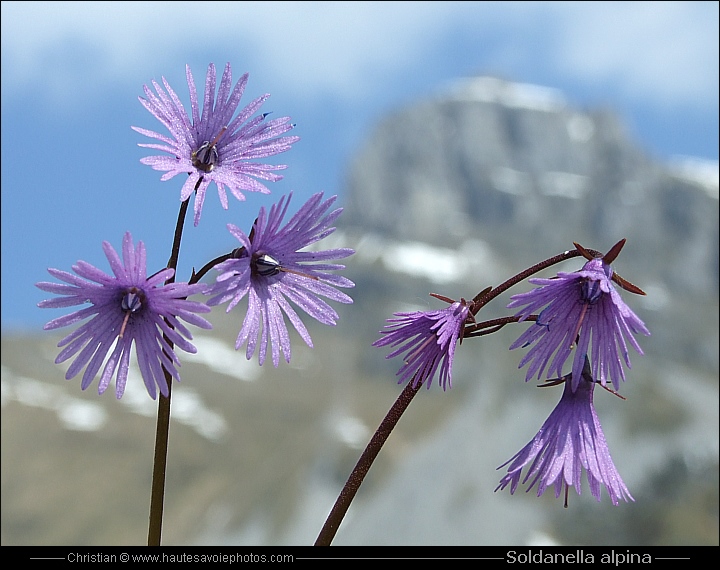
208	266
487	295
163	421
491	326
330	528
348	492
157	493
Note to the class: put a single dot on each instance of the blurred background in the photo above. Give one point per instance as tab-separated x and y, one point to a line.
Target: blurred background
466	141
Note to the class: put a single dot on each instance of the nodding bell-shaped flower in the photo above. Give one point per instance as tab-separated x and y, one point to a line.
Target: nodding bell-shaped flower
577	310
428	339
569	442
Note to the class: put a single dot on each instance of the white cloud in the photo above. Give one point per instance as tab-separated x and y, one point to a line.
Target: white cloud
662	52
316	46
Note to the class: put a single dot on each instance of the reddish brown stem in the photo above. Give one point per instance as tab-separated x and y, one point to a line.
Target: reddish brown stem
327	533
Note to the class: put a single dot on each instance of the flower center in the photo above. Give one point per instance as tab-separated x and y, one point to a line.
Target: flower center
265	264
206	157
132	301
590	291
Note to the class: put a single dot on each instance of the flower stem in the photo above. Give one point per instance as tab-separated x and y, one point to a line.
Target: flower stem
487	295
342	504
207	267
159	464
327	533
494	325
157	493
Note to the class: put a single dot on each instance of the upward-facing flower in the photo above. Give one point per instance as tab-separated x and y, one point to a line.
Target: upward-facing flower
126	308
429	338
571	440
270	269
214	147
575	307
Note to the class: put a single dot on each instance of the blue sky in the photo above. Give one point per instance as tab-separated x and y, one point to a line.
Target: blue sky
72	72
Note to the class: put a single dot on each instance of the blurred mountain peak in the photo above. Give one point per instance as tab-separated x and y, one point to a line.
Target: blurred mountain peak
490	89
517	167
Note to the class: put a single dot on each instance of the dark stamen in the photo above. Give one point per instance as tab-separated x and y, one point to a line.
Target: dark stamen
131	302
206	157
266	265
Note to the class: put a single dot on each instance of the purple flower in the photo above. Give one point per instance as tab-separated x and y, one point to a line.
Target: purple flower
270	269
578	306
215	148
429	338
570	440
126	308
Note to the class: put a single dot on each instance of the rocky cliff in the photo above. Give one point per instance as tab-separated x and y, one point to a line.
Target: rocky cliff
519	168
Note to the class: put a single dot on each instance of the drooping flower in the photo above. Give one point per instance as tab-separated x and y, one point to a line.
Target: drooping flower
271	270
126	308
429	339
214	147
571	440
573	309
